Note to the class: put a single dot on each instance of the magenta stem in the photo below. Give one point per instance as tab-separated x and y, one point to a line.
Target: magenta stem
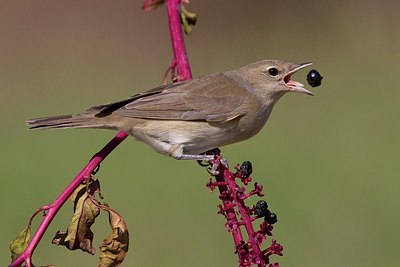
226	183
178	43
229	208
64	196
246	219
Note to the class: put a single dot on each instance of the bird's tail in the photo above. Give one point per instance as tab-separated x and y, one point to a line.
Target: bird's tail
66	121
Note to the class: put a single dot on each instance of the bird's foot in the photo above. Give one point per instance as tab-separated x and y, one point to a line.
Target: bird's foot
214	164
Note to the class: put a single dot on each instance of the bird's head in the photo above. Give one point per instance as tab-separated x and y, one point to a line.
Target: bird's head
273	78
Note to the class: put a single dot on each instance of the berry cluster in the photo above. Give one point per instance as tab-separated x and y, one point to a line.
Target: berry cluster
239	216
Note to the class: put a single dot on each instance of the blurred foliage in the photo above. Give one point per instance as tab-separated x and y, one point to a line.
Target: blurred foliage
329	163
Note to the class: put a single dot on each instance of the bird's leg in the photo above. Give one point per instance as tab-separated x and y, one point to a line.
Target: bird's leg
176	152
199	158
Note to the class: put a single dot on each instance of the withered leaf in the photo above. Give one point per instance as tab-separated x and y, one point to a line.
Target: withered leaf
19	244
150	5
115	247
187	19
78	234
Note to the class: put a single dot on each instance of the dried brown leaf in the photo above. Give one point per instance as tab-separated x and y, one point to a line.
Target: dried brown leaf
115	247
151	5
19	244
78	234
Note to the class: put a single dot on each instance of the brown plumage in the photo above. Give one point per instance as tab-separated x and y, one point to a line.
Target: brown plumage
185	119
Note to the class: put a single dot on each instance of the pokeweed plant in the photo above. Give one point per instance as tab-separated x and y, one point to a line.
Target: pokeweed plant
84	190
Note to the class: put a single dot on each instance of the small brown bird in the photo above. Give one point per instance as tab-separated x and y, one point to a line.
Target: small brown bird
185	119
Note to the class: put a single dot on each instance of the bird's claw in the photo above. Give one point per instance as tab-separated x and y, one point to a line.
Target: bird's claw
213	170
213	164
203	163
224	163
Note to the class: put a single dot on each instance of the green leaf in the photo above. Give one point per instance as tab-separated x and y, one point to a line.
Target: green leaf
78	234
19	244
115	247
187	19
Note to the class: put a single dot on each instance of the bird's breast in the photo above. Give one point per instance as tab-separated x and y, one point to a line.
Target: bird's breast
197	137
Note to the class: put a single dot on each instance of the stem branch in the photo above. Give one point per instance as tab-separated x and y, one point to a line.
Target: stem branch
53	208
178	44
184	73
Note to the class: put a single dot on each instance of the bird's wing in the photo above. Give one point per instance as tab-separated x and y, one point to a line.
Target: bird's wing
212	98
107	109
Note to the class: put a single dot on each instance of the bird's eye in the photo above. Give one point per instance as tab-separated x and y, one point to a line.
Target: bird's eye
273	71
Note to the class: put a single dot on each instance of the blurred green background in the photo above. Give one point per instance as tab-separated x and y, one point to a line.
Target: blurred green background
329	163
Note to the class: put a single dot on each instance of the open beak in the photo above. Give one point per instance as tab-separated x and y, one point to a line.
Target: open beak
294	86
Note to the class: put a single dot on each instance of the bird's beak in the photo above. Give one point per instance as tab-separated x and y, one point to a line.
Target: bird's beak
294	86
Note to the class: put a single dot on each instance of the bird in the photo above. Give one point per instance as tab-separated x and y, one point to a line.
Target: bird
186	119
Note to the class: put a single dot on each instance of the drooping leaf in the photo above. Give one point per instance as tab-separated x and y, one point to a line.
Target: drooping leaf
187	19
19	244
78	234
151	5
115	247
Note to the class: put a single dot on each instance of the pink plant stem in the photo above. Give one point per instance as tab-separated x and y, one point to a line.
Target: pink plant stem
178	43
230	210
246	220
64	196
226	183
184	73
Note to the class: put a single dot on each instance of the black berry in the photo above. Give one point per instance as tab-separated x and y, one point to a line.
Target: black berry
261	208
314	79
271	218
246	169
